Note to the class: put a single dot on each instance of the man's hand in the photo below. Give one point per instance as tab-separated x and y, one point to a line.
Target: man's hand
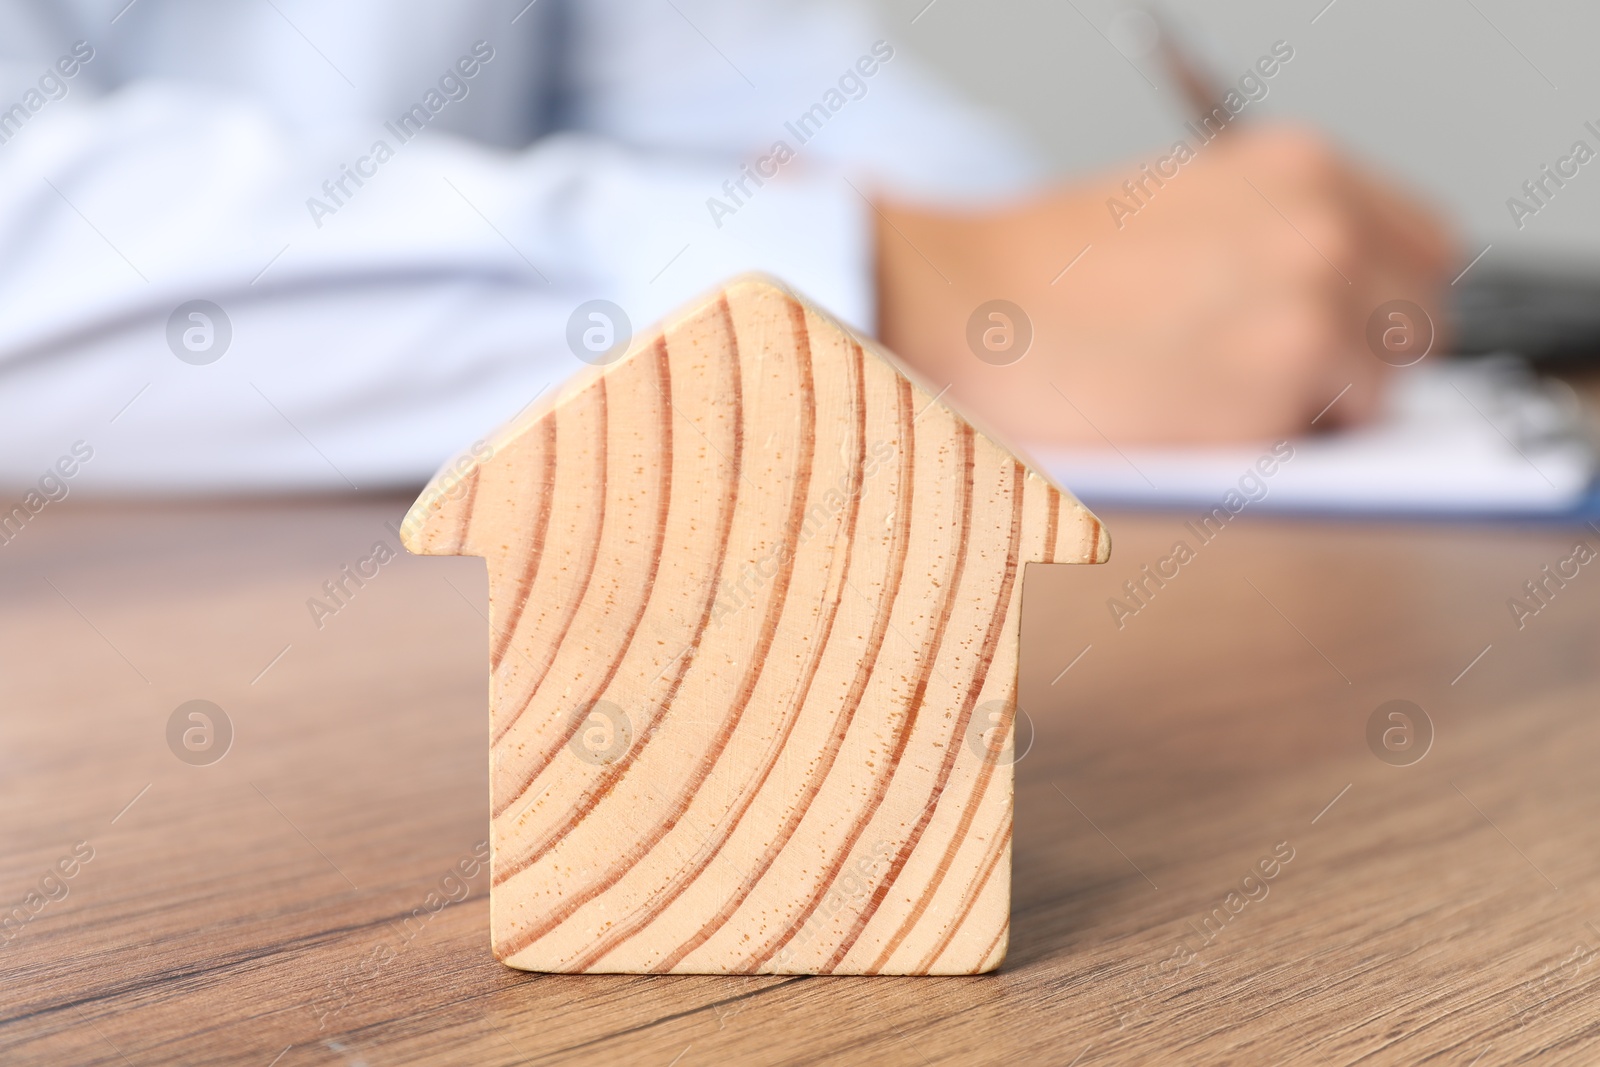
1230	303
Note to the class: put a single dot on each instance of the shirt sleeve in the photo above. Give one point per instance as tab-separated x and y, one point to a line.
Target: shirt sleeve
371	297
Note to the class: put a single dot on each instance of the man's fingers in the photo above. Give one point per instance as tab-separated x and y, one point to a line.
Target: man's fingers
1404	223
1304	177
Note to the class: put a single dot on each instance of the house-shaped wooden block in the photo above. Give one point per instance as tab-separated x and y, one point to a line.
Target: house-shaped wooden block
754	606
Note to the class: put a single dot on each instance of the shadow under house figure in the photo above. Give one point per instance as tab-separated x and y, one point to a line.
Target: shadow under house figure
754	601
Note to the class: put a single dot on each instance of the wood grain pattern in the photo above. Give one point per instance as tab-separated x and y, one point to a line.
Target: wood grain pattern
215	924
748	589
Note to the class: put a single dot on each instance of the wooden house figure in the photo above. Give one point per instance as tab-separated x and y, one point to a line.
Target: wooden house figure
754	599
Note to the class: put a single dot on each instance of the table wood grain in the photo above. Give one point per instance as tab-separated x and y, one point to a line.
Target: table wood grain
305	899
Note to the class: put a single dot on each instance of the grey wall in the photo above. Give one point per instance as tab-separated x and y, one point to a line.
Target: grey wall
1463	99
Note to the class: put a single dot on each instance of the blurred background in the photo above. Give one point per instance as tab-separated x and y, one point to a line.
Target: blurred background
1463	100
180	180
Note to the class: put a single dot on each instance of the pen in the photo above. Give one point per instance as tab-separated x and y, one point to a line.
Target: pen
1199	88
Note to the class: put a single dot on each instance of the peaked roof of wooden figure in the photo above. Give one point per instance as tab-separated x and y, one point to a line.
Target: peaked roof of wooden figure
751	588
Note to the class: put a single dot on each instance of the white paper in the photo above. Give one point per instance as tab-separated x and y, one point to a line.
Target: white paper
1481	436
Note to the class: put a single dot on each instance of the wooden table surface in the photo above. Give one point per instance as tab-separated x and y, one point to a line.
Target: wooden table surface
299	900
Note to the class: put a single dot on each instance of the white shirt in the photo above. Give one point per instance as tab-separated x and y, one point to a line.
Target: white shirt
389	306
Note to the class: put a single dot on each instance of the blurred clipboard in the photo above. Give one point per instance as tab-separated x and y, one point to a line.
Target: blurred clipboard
1480	436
